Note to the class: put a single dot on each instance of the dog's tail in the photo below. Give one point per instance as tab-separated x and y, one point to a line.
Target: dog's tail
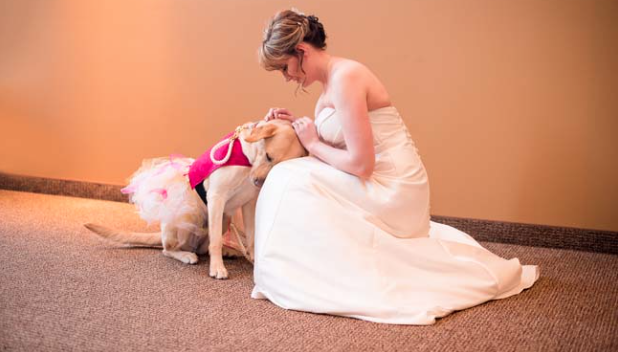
149	239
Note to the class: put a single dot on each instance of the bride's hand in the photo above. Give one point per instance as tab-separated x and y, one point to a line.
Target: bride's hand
306	131
279	113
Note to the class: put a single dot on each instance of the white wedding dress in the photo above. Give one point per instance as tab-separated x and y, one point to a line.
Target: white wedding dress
329	242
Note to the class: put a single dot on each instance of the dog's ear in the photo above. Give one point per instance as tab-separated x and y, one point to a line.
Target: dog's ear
261	132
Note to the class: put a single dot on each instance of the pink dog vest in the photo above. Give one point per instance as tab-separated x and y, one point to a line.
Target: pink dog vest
203	166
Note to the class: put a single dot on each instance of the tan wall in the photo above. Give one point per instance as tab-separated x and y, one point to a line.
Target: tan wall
512	103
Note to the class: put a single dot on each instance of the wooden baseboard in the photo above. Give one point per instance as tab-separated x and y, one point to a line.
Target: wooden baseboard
62	187
481	230
535	235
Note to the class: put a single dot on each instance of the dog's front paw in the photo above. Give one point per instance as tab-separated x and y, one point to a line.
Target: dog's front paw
218	271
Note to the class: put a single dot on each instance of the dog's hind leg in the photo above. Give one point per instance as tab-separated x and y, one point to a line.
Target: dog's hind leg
171	245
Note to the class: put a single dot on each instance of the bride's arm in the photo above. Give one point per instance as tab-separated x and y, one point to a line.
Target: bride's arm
349	96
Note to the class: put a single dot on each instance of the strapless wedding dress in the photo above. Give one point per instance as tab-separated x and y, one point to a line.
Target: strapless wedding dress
329	242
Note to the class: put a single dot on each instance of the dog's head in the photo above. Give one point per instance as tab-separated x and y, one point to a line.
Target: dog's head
272	142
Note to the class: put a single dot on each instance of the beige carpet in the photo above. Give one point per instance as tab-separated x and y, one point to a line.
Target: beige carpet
63	289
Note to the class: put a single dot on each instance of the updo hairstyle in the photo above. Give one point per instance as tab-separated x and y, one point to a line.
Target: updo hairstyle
286	30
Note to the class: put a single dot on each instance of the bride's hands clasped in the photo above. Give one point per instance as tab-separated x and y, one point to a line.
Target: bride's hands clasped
304	126
306	131
279	113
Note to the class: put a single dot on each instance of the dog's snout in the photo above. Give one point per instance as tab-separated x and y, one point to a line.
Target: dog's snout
258	182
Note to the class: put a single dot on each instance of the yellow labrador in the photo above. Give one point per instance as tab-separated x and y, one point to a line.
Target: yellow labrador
199	227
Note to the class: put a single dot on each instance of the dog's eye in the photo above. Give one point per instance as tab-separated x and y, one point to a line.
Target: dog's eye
270	160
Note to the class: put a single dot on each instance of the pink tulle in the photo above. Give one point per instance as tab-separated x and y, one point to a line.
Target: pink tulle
161	192
134	185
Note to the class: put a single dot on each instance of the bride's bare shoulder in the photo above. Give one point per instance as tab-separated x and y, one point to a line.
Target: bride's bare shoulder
350	73
346	68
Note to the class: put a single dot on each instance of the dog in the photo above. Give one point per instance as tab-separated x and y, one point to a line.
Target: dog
194	208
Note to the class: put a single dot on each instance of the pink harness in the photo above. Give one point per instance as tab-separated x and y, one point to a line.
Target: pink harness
203	166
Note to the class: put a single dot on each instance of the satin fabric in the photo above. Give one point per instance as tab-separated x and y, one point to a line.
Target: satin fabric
329	242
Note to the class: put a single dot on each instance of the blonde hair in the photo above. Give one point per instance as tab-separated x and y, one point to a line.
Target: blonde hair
287	29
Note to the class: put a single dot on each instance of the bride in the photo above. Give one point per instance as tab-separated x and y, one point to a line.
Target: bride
347	230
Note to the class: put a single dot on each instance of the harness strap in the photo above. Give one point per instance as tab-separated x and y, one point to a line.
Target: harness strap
199	188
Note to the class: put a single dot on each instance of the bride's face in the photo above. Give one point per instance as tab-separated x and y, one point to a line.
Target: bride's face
291	70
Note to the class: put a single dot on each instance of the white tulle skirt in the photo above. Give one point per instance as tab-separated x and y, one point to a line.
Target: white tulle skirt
162	194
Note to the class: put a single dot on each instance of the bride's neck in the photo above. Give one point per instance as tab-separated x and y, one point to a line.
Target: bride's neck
324	64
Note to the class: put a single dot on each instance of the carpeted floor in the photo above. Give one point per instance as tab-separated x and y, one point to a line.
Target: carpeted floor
63	289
